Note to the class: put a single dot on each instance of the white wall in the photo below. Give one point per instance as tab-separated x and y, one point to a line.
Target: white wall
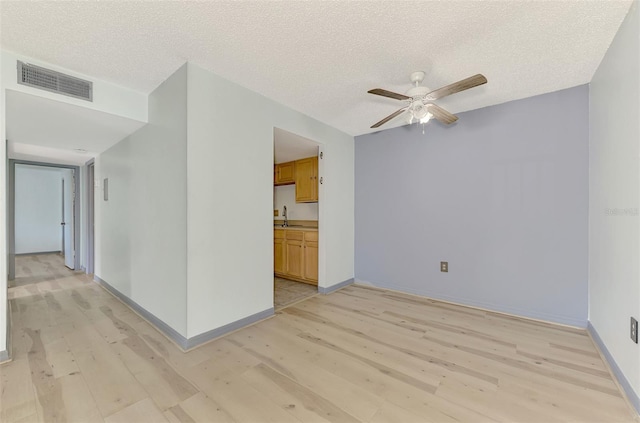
230	157
141	230
285	195
38	209
157	203
107	97
3	221
614	197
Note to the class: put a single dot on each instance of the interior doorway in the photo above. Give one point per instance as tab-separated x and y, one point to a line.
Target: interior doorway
69	246
43	211
296	203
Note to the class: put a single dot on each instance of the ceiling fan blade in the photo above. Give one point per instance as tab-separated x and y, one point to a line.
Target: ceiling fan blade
390	94
441	114
388	118
456	87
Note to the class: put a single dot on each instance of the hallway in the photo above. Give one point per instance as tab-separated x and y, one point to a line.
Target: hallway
359	354
46	271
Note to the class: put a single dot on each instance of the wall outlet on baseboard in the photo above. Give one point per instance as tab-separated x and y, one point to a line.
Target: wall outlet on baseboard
444	266
634	330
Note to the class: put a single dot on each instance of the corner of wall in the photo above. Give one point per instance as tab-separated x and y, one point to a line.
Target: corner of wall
141	231
108	97
4	309
632	396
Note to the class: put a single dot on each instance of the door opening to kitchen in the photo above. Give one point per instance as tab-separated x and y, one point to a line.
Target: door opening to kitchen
295	218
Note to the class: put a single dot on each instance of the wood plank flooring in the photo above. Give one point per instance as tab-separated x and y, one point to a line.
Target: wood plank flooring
357	355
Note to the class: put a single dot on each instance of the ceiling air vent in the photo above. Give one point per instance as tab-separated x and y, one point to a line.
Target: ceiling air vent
46	79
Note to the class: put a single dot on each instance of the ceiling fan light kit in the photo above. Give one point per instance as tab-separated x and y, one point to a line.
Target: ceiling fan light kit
420	107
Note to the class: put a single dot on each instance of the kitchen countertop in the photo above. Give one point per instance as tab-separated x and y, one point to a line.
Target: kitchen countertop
295	228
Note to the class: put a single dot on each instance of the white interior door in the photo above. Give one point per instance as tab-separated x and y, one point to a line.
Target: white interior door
68	236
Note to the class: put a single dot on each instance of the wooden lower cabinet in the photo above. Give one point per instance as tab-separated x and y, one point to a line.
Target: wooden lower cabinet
311	261
296	255
279	245
295	258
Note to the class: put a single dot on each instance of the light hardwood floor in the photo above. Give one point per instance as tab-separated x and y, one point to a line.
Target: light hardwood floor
359	354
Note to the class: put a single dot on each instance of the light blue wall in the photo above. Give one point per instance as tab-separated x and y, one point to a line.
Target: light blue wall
502	195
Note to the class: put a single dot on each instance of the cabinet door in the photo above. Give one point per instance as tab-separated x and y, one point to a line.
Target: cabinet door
311	260
307	180
295	258
279	262
285	173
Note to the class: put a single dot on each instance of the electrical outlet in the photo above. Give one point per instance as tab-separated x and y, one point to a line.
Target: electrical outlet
634	330
444	266
276	213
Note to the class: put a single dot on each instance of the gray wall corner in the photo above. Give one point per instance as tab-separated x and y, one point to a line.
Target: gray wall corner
205	337
632	396
165	329
334	288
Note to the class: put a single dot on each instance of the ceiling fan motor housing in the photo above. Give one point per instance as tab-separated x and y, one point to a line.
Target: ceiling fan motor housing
417	77
417	90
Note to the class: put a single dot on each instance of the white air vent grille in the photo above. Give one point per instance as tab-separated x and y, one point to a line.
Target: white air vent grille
46	79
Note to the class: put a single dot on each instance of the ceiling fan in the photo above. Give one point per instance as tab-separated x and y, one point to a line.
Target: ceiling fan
419	99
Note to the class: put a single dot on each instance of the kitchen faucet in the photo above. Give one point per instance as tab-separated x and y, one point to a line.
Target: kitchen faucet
286	221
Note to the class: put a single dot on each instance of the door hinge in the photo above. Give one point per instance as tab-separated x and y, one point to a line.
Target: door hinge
321	154
321	180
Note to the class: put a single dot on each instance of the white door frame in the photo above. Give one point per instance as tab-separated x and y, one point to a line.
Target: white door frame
11	211
90	259
321	205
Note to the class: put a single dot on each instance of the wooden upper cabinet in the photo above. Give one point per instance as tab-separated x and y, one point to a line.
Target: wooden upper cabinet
307	180
285	173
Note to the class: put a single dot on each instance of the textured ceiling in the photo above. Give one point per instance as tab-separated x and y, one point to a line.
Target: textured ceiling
321	57
288	147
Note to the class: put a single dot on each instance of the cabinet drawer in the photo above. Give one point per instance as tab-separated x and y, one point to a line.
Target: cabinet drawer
278	233
311	236
295	235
